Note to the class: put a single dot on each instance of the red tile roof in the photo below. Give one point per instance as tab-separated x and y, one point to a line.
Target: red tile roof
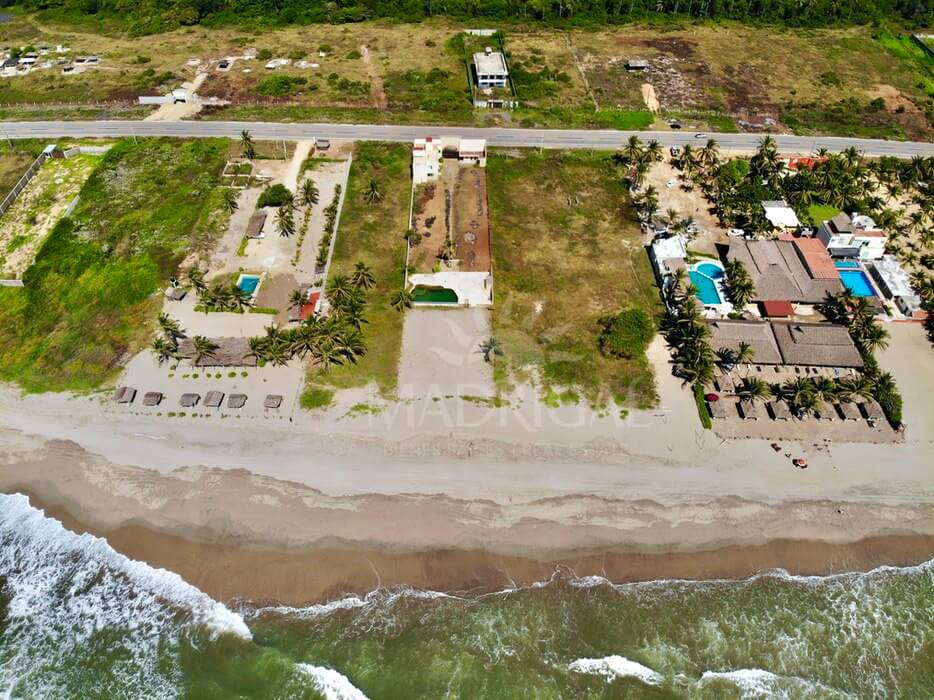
817	258
779	308
308	308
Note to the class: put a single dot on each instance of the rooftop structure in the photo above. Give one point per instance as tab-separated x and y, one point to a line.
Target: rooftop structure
852	237
231	352
780	215
470	288
791	270
896	284
637	64
788	342
428	152
490	69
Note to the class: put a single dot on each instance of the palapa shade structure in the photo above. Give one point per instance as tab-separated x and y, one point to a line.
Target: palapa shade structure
213	399
124	394
236	400
850	411
749	410
273	401
152	398
780	410
718	409
189	400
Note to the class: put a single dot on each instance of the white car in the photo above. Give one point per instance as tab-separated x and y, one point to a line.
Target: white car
735	232
700	136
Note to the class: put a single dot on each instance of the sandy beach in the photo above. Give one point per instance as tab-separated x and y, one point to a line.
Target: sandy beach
312	508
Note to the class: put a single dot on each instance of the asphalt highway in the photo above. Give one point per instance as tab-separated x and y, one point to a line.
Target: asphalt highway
535	138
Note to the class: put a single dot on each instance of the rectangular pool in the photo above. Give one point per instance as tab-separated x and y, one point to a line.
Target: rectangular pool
248	283
857	282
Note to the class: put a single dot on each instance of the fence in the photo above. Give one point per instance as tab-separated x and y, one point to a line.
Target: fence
919	39
23	181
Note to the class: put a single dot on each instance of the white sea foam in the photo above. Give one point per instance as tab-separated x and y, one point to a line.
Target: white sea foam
380	596
65	589
754	683
331	684
616	667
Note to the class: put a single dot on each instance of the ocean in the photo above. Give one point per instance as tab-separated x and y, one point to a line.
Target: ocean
79	620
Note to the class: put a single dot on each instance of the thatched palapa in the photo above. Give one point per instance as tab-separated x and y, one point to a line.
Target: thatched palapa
231	352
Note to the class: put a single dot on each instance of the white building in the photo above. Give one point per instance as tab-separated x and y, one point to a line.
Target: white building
780	215
852	237
428	152
896	284
490	67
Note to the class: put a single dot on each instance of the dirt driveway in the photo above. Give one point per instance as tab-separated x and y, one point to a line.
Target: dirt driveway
692	204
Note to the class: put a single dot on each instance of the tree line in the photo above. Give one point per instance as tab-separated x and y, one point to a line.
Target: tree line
148	16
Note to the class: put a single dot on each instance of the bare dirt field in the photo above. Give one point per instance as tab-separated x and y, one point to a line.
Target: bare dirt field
471	230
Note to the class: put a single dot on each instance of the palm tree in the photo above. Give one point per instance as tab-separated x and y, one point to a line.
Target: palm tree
297	299
744	353
824	390
654	150
754	389
491	349
196	278
309	193
401	299
163	349
872	337
230	200
247	146
285	222
373	194
339	288
238	299
632	150
362	277
852	388
799	393
170	327
204	348
710	154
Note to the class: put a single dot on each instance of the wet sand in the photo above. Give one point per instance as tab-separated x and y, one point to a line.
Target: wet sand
305	576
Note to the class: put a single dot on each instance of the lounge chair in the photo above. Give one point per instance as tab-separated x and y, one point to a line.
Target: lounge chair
189	400
272	401
236	400
124	394
214	399
152	398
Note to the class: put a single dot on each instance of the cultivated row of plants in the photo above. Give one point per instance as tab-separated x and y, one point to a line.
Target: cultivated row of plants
330	219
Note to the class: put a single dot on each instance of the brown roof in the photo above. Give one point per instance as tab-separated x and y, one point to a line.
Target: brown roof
816	258
189	400
214	399
236	400
718	409
255	225
749	409
850	411
780	410
820	344
778	270
152	398
231	352
727	333
273	401
780	308
873	410
124	394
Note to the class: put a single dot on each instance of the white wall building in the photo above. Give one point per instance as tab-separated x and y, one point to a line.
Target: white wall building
852	237
428	152
896	284
780	215
490	67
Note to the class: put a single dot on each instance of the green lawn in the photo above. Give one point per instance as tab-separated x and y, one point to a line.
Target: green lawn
821	212
91	297
373	233
566	252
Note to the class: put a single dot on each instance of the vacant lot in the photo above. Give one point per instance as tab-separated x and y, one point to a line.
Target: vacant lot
91	296
544	71
372	233
566	252
14	159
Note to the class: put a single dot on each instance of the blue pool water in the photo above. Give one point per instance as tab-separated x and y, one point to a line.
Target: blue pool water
857	282
846	265
706	289
711	270
248	283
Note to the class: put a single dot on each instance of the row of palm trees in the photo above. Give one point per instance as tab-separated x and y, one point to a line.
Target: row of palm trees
687	333
807	395
638	159
859	316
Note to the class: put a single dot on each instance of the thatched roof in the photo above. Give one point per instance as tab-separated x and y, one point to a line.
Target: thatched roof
749	410
725	384
820	344
850	411
873	410
124	394
152	398
189	400
273	401
255	226
236	400
780	410
781	270
213	399
728	333
718	409
231	352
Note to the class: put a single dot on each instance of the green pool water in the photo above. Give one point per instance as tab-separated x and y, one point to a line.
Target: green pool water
434	295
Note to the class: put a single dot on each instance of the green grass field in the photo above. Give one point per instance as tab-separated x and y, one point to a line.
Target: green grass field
821	212
566	252
91	296
373	234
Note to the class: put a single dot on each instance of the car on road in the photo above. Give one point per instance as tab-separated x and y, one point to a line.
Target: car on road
700	135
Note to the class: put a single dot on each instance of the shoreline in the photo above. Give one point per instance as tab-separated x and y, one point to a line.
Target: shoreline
319	574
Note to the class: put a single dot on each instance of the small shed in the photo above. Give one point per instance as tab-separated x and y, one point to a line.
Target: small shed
254	228
189	400
637	64
236	401
777	308
214	399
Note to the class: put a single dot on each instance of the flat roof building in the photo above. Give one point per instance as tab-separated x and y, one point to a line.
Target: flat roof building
852	237
490	69
780	215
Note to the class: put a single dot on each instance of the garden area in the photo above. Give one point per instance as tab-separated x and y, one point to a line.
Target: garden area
371	231
572	278
92	295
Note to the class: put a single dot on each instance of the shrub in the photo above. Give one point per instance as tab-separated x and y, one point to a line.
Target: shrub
354	55
280	85
627	334
264	54
317	398
274	196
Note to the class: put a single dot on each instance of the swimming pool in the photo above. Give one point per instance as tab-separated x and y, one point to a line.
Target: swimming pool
434	295
248	283
857	282
711	270
846	265
706	289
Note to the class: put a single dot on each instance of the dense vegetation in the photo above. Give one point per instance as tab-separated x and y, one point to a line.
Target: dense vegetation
89	296
151	15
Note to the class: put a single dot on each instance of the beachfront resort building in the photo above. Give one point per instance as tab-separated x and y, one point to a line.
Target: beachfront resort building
780	215
855	236
429	152
788	269
490	69
896	285
788	342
